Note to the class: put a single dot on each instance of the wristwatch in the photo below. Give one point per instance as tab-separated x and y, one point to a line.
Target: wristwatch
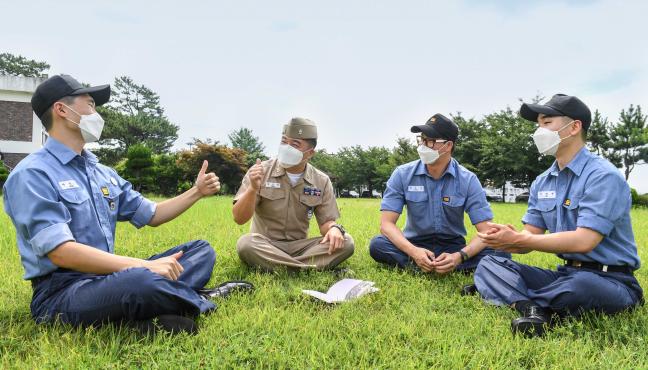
339	227
464	256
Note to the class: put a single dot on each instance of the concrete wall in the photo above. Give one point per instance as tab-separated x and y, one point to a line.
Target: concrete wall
21	131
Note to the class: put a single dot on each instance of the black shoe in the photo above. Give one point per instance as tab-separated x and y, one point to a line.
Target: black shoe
470	289
534	323
173	324
227	288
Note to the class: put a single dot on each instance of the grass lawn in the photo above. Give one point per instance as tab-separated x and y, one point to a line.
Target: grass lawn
415	321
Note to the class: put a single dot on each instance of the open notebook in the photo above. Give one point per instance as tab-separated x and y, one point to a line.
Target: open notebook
344	290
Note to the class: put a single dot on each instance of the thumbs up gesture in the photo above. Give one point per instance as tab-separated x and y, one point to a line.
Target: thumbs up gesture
256	175
207	183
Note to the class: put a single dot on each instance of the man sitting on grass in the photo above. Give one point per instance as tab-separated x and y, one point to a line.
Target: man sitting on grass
281	196
437	191
584	202
65	206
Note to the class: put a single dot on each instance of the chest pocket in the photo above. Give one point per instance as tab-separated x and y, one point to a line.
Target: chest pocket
74	196
417	203
272	193
78	204
454	210
112	200
310	200
547	208
571	213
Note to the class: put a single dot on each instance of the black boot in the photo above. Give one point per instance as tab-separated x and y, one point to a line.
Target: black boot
534	322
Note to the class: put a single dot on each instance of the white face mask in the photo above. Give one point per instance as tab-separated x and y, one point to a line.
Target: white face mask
547	141
428	155
289	156
91	125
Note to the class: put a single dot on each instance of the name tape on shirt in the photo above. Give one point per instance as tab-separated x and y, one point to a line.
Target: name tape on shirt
68	184
416	188
547	194
274	185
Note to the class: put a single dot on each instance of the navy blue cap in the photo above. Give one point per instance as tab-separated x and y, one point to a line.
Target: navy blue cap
438	127
60	86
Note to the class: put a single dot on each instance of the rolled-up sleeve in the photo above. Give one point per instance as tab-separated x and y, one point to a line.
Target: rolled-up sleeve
533	215
477	206
394	195
605	199
133	207
34	207
245	184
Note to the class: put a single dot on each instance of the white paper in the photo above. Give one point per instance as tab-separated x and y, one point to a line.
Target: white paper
344	290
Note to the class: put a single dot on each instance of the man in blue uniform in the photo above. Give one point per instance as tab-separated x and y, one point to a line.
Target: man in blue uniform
437	191
65	205
584	202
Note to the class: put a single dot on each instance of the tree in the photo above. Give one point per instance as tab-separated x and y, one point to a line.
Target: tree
228	164
404	152
507	152
4	174
629	138
369	168
167	174
245	140
17	65
330	164
134	117
467	147
599	139
139	168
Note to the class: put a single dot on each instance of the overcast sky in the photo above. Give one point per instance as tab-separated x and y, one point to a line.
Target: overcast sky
365	71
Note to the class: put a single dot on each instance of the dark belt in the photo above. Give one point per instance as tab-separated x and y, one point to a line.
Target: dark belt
598	266
37	280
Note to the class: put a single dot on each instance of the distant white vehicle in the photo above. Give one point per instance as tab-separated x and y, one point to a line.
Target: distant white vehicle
492	196
372	194
349	194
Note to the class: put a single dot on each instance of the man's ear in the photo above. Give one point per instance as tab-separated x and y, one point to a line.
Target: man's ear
59	110
313	151
577	127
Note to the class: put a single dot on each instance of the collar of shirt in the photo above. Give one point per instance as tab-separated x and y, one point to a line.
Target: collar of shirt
451	169
576	165
279	171
64	154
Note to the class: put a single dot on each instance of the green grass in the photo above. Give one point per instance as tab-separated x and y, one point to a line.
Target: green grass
415	321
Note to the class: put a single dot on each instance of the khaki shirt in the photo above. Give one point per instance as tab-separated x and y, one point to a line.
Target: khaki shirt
283	211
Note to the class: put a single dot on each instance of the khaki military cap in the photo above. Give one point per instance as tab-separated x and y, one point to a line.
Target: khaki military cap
300	128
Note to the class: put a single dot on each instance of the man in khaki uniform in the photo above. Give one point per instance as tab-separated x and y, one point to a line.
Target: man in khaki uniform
281	196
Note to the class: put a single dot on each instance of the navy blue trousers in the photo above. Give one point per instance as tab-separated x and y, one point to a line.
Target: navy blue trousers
568	290
133	294
384	251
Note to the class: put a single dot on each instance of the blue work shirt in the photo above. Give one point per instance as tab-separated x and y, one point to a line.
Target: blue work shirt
436	206
589	192
55	195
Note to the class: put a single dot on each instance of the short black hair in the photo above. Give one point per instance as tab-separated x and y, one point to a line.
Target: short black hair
311	142
583	127
47	119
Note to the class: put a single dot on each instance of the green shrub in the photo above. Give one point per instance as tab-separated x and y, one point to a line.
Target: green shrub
638	200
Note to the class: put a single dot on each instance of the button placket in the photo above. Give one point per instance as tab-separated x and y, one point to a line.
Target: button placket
100	207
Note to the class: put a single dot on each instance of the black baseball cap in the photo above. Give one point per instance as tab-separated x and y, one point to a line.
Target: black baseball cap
438	127
559	105
60	86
